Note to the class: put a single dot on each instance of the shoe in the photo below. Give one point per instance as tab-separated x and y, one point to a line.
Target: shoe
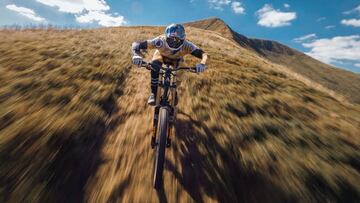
151	100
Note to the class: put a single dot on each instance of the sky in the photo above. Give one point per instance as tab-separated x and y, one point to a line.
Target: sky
328	30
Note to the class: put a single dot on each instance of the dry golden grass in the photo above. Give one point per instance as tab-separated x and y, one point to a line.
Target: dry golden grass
58	88
342	82
74	126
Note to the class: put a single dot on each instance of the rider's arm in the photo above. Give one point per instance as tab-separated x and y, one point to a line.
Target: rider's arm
147	44
192	49
198	53
138	46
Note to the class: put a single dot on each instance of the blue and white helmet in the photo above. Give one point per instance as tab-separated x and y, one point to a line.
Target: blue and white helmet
175	36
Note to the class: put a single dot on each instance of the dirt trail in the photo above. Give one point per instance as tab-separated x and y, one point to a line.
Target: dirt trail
126	172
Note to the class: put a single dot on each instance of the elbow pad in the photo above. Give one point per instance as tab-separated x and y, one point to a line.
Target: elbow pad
197	53
138	46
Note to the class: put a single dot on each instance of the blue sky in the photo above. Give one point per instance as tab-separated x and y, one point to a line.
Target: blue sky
328	30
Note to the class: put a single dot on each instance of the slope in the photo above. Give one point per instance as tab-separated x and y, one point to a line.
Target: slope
75	126
341	81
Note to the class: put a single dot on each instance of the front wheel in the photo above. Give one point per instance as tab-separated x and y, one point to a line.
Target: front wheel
161	136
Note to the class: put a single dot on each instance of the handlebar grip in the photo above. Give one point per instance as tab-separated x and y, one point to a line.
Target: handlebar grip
149	66
143	63
146	65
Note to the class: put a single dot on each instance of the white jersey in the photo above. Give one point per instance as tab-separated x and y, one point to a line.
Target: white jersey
163	50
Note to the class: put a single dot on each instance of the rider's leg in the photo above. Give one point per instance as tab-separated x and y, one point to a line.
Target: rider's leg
158	61
152	98
155	76
154	82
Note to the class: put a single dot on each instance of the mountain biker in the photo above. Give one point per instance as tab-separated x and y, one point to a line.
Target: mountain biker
170	49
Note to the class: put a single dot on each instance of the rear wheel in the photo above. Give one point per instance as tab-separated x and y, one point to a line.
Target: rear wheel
161	136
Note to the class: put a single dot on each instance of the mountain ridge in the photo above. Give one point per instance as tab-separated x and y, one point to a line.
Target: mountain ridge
336	79
219	25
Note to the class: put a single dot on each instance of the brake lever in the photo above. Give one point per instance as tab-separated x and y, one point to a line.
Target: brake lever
192	70
149	67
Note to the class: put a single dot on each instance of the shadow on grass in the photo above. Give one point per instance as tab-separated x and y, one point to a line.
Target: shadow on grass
161	195
63	173
201	171
77	162
53	166
119	191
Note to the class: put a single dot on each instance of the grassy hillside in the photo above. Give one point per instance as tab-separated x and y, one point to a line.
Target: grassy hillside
58	88
75	127
341	81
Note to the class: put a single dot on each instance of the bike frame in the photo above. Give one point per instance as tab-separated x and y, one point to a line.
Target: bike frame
166	107
166	92
166	97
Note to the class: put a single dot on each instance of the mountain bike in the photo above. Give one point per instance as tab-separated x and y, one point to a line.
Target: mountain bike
164	114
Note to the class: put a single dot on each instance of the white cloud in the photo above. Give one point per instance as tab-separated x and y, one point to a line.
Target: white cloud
336	50
237	7
351	22
29	13
305	38
270	17
101	18
330	27
219	4
286	6
355	10
87	11
320	19
76	6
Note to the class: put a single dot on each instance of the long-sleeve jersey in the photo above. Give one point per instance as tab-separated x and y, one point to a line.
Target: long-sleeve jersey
163	50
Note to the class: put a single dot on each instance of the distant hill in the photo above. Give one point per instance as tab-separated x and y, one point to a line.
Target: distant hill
343	82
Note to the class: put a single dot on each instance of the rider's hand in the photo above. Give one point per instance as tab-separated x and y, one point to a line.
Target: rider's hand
137	60
200	67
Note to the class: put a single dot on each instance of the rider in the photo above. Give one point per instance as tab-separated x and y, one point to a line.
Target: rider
170	49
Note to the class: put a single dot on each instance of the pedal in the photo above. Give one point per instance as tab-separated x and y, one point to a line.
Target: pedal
168	143
153	142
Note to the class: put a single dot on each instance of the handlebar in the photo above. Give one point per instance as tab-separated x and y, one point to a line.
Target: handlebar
149	66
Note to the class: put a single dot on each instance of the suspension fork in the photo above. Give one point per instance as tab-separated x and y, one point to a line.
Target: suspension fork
171	123
154	128
157	106
173	106
155	120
